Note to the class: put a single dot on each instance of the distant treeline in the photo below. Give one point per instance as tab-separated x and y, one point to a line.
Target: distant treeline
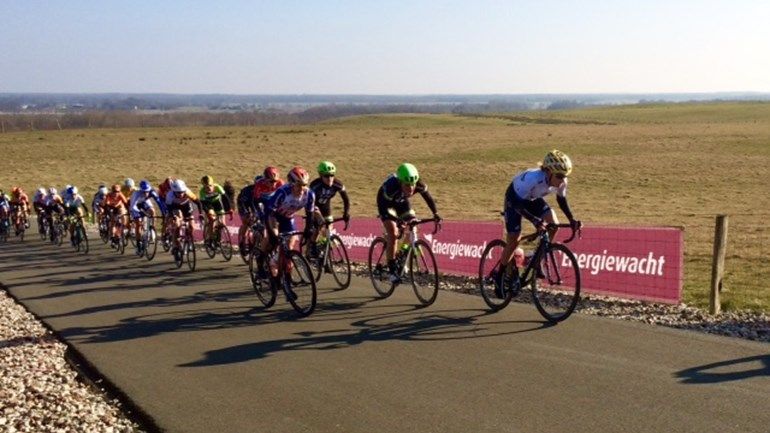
137	119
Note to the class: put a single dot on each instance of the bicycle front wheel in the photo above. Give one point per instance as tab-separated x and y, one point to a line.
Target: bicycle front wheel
495	292
338	262
378	268
260	278
423	272
300	284
556	288
189	252
225	243
150	243
81	230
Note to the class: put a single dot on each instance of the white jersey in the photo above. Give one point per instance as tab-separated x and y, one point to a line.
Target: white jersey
75	200
533	184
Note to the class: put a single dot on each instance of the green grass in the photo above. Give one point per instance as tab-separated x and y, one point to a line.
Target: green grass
671	165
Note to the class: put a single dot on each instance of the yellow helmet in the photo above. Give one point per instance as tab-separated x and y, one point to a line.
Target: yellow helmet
557	162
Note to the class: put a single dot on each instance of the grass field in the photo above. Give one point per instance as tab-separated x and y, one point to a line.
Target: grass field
674	165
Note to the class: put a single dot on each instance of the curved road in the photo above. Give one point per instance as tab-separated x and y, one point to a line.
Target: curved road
198	354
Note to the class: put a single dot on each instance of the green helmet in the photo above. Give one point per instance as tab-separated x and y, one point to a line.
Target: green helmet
407	173
326	167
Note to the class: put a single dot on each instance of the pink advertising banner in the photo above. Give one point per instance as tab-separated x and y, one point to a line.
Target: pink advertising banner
633	262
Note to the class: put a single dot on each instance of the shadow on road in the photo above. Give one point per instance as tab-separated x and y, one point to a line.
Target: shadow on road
726	371
410	325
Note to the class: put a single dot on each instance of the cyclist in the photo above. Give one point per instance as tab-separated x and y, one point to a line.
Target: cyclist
283	204
72	205
163	189
394	208
19	208
264	188
97	201
214	202
325	187
139	205
524	197
179	204
38	201
54	207
115	205
245	205
128	187
5	210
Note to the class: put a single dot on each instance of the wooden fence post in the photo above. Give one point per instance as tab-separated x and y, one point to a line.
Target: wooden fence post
718	263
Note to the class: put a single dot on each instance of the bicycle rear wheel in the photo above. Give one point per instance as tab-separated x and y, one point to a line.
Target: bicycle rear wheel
339	263
423	272
225	243
378	268
80	232
556	294
495	295
150	243
300	284
265	291
209	244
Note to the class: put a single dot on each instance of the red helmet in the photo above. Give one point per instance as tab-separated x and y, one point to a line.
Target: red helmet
299	175
271	173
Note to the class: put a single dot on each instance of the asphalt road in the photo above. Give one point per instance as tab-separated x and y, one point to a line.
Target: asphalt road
198	353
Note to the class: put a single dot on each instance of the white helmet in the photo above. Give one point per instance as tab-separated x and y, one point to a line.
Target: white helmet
41	191
178	186
129	183
52	191
102	190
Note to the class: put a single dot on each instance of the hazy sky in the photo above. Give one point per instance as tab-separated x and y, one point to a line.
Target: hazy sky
384	47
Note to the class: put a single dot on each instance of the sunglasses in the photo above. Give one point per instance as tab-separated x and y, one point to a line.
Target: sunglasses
327	175
560	176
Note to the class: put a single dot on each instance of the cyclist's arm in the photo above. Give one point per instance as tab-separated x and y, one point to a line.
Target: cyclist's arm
345	201
382	203
429	201
565	207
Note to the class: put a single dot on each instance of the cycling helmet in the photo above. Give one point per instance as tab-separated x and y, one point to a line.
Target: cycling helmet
102	190
66	188
257	178
326	167
271	173
407	174
15	190
72	190
207	180
178	186
145	186
52	191
298	175
557	162
41	191
116	188
128	183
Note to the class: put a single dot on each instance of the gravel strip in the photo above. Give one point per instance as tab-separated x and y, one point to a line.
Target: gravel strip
741	324
39	391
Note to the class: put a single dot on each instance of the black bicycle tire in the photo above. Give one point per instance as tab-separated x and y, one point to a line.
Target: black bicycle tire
299	261
344	283
84	238
265	291
493	304
382	271
575	298
151	233
224	233
189	250
424	301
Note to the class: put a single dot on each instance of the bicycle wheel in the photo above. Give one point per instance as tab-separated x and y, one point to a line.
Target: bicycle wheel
150	243
178	253
131	235
243	250
225	243
556	294
495	296
300	284
22	229
189	252
378	268
208	243
59	234
80	232
41	229
104	232
122	242
423	272
265	291
338	262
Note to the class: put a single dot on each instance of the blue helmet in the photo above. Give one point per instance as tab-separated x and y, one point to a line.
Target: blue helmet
145	186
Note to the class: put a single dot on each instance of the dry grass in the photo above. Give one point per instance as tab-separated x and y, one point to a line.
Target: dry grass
653	165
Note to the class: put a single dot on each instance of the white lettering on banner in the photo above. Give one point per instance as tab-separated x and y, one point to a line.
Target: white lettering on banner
455	249
633	265
357	241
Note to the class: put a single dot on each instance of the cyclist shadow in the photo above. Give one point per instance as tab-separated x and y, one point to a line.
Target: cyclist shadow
404	325
726	371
